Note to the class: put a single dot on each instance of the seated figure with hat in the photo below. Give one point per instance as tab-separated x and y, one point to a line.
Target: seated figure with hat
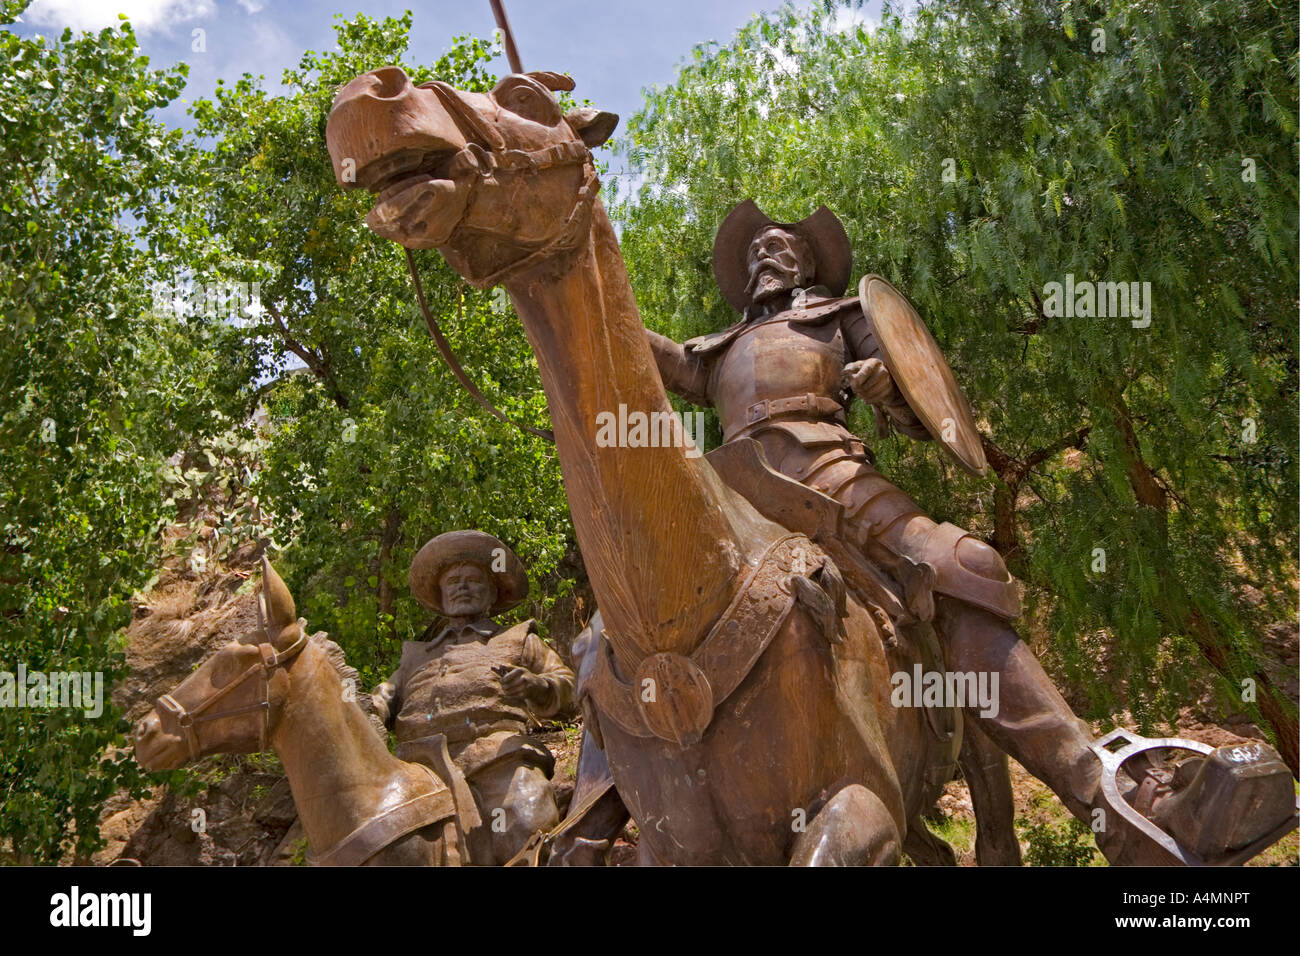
474	685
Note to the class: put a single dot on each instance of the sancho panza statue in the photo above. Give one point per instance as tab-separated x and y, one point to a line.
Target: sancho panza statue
784	376
476	684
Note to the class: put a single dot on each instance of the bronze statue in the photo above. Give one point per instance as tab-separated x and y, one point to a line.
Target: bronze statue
475	685
279	689
741	669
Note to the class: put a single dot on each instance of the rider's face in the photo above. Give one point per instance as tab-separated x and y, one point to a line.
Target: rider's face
778	262
467	591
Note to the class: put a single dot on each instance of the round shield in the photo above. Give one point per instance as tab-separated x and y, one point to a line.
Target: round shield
921	372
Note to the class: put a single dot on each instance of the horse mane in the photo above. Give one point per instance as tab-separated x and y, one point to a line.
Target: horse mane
350	677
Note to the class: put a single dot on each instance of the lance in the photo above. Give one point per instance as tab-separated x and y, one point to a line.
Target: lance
512	52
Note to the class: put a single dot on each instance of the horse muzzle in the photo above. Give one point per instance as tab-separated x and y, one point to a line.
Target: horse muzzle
156	749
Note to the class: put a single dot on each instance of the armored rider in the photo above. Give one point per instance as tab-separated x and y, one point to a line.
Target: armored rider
476	684
785	375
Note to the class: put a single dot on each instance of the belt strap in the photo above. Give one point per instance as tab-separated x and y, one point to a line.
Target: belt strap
769	408
674	697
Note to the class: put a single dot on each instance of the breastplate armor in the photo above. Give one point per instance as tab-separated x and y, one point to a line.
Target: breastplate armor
779	371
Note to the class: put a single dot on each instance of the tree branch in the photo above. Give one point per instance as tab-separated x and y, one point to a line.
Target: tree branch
318	364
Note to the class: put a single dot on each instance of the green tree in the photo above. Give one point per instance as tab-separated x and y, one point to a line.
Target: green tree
978	151
374	446
96	390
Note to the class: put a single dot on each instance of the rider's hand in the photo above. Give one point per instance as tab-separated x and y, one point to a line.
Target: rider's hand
869	380
520	683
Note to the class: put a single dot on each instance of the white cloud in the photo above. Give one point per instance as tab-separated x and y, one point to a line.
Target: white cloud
846	18
252	6
145	15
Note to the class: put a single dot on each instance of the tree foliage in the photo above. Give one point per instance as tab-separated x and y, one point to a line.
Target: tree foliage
374	446
95	392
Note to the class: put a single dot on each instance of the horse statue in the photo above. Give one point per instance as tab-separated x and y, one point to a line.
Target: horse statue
280	689
738	680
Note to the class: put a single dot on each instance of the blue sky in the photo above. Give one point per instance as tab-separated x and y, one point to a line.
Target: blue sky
613	48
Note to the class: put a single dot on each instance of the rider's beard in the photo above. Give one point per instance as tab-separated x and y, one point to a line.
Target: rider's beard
770	280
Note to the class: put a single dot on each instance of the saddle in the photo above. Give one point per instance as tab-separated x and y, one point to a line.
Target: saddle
674	697
448	797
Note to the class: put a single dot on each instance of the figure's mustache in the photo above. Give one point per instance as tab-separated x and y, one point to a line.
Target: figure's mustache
766	264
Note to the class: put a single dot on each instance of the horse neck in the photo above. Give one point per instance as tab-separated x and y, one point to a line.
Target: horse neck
339	770
652	523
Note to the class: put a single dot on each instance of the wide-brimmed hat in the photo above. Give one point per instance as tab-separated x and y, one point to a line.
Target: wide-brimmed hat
468	547
823	231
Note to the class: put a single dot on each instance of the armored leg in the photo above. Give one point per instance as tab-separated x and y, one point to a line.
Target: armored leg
1227	801
515	800
1033	722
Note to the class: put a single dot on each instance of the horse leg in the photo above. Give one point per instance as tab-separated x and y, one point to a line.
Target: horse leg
985	768
853	829
926	849
587	841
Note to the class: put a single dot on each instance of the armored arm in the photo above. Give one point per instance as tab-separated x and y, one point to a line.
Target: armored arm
684	373
870	380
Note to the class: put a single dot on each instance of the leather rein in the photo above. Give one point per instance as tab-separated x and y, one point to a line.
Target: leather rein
187	720
479	165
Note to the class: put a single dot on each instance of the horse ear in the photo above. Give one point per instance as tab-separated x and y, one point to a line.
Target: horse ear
555	82
275	603
593	125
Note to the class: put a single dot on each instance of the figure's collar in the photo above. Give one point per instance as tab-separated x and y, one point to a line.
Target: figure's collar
483	627
814	307
787	302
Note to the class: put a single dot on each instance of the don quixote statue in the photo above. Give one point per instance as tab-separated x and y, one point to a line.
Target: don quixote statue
755	603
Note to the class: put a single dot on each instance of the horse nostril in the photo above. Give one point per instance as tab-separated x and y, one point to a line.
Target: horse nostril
391	81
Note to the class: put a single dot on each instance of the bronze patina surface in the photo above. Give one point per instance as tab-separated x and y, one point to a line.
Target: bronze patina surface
281	690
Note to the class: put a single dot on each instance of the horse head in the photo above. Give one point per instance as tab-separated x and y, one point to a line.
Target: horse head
233	700
482	177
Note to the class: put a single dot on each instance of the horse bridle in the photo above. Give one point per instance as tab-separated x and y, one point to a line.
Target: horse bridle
477	164
171	711
472	166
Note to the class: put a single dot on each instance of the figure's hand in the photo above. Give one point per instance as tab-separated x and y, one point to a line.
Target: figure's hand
381	700
869	380
524	684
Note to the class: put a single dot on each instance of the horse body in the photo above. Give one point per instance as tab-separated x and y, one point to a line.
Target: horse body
739	753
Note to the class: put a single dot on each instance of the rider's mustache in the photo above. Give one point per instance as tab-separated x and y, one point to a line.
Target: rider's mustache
765	263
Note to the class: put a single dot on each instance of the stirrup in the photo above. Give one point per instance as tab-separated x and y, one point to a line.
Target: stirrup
1111	761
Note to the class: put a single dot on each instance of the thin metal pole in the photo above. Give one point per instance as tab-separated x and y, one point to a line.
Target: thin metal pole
512	52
